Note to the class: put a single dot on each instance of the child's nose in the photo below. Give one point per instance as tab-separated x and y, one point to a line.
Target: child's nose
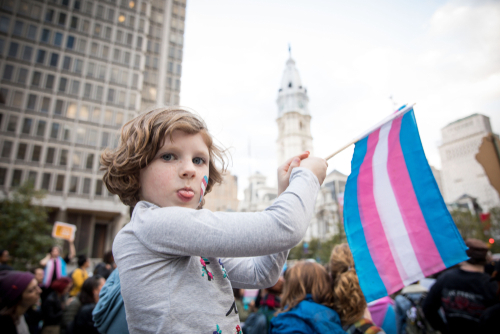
187	169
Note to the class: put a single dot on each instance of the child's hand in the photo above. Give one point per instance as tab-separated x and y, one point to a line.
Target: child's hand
285	170
317	166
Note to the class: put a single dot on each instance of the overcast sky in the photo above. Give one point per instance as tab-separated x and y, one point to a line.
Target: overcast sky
351	56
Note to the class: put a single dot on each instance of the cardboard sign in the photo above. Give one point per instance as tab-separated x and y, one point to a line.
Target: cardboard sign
64	231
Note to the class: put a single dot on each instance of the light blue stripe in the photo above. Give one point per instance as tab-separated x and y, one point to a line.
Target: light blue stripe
443	230
369	278
389	324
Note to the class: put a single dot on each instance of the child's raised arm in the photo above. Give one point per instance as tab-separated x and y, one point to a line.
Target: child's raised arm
179	231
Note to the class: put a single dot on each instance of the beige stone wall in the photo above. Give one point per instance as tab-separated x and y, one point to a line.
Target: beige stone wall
223	197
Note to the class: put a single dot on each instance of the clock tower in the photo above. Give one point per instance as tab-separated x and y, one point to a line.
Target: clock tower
294	130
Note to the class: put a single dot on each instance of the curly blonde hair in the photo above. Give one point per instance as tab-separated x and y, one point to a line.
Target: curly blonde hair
140	140
350	302
306	278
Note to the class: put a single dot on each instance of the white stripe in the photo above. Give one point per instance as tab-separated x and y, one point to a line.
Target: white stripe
388	210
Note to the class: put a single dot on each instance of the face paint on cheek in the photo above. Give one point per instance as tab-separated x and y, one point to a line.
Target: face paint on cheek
204	183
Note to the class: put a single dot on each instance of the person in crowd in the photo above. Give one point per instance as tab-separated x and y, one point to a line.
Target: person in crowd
238	298
171	249
79	275
307	301
4	260
33	315
463	293
54	305
489	318
55	265
18	292
89	296
266	304
109	313
349	300
106	267
410	296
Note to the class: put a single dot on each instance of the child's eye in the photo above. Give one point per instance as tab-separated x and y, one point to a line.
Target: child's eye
168	157
198	161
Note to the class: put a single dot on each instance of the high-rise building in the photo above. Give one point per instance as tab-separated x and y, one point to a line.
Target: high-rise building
72	73
461	173
294	129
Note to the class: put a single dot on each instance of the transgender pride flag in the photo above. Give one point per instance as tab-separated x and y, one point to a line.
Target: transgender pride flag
397	224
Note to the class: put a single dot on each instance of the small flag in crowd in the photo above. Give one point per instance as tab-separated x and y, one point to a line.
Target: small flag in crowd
397	224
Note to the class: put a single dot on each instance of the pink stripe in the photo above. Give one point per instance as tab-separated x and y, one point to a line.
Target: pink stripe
372	226
421	239
58	266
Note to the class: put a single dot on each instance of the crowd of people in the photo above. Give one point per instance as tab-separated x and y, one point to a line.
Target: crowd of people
49	300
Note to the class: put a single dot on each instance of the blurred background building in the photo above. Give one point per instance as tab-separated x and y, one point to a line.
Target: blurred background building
463	176
223	197
72	73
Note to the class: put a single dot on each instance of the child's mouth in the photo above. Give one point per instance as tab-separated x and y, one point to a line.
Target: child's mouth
185	195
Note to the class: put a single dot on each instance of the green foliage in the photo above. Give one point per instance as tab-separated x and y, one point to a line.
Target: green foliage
468	224
25	231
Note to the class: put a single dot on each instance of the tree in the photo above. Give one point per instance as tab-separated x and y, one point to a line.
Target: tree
468	224
23	222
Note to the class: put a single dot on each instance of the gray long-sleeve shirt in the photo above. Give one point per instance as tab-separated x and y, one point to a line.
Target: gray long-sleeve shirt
178	266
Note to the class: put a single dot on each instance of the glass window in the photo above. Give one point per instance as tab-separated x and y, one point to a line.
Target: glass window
88	7
31	32
60	182
46	181
90	69
99	92
65	3
54	59
7	148
27	53
37	76
3	174
77	5
49	15
84	113
35	155
75	87
141	25
178	69
108	117
119	36
32	177
16	178
58	39
126	59
49	81
87	91
78	66
45	36
86	186
63	158
18	28
54	131
82	45
22	76
105	52
139	42
58	110
80	135
13	49
107	34
116	55
71	111
86	26
74	22
111	14
92	137
111	95
12	125
137	61
45	104
114	75
90	161
17	101
132	99
27	126
62	84
40	57
94	48
119	118
31	102
73	184
70	42
77	159
7	72
4	24
21	151
3	99
67	133
97	29
66	63
100	11
40	130
62	19
96	115
121	98
135	80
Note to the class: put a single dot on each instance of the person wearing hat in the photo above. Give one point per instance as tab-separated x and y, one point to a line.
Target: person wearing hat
463	293
18	292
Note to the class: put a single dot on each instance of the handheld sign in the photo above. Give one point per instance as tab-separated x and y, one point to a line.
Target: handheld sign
64	231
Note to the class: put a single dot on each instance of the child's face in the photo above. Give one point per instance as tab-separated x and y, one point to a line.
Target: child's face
174	176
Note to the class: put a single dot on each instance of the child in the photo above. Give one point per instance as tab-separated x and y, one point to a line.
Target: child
307	300
178	265
350	302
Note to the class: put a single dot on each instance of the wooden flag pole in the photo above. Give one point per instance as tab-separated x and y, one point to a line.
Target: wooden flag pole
373	128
